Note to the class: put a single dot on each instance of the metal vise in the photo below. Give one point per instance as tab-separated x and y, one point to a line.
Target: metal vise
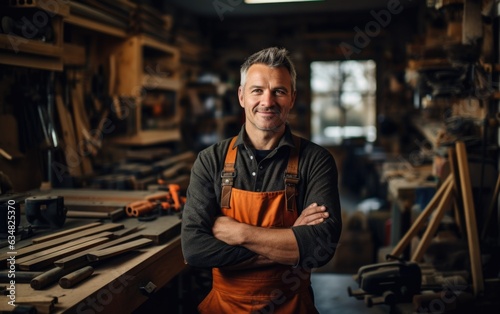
387	283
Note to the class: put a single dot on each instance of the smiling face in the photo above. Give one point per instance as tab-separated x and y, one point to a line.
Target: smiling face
267	98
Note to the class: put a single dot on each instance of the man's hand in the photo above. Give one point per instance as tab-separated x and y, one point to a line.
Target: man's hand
312	215
227	229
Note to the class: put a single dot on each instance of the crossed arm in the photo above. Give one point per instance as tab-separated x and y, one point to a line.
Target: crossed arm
272	245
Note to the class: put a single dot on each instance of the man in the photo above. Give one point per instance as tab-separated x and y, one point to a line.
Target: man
262	208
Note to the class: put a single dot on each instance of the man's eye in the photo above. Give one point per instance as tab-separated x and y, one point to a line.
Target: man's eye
257	91
280	92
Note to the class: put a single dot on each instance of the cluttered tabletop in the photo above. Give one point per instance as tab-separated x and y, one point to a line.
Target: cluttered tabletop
67	250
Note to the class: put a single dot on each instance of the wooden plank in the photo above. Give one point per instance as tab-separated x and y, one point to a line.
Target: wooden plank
65	232
18	44
470	220
52	243
439	212
80	129
80	259
114	215
161	231
148	137
45	261
128	231
117	250
31	61
70	151
63	246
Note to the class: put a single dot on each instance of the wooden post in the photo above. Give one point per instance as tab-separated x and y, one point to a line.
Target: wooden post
470	220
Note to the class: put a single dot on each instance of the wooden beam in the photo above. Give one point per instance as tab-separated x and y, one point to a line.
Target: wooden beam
470	220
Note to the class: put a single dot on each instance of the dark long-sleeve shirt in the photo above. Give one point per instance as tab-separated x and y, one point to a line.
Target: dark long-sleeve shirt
318	184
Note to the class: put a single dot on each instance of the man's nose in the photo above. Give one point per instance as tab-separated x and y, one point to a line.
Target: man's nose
267	98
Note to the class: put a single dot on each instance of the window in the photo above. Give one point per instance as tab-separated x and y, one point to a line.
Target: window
343	101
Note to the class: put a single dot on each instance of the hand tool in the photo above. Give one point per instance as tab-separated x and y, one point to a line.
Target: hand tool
75	277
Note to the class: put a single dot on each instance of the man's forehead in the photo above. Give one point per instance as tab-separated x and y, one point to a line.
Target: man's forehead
259	70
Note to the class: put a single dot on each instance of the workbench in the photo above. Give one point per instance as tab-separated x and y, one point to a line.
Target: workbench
116	286
402	194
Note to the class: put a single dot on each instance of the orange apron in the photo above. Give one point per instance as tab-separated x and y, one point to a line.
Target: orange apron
278	289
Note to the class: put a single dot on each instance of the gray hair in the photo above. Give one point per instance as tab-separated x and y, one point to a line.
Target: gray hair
272	57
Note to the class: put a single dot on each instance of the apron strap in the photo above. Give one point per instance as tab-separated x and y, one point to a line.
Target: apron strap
228	174
292	175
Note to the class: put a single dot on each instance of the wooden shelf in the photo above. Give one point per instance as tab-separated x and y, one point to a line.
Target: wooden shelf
148	137
57	9
27	51
31	61
152	82
147	41
19	44
96	26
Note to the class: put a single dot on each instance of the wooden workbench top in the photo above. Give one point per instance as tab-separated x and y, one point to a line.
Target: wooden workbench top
115	285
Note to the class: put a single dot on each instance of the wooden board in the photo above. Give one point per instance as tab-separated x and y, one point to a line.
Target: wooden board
161	230
65	232
80	128
70	151
52	243
46	261
62	247
80	259
117	250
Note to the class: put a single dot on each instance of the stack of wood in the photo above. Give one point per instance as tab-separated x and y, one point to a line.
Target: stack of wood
114	13
149	21
142	169
68	257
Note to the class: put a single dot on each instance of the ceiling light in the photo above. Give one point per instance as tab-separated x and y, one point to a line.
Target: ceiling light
276	1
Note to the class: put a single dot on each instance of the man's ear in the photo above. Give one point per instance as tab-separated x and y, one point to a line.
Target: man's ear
240	96
294	96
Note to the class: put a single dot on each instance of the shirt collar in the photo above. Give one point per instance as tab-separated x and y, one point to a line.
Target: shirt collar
286	139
